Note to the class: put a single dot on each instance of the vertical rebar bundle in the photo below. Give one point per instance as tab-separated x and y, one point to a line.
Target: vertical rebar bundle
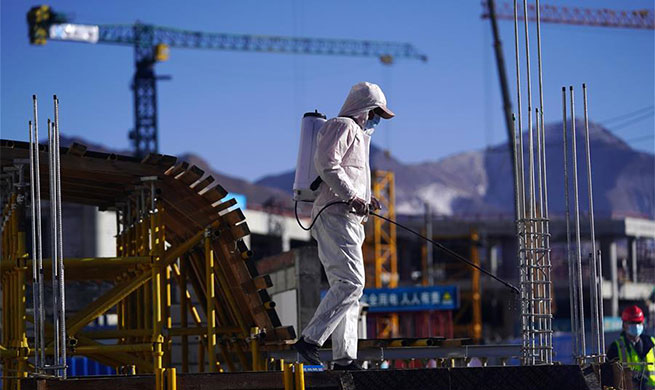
574	299
61	299
532	222
37	244
58	366
580	352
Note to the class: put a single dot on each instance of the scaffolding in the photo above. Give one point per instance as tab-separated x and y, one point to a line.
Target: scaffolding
381	255
176	230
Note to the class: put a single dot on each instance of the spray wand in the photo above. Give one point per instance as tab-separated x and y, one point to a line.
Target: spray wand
452	253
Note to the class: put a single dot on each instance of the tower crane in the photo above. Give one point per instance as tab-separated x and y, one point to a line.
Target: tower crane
601	17
152	43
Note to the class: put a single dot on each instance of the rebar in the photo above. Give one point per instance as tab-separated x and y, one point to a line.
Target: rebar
532	222
35	277
547	264
518	112
573	292
538	238
601	351
54	240
516	166
545	225
61	309
530	352
37	180
521	206
597	301
576	202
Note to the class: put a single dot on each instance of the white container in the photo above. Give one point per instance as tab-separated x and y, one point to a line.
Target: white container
305	170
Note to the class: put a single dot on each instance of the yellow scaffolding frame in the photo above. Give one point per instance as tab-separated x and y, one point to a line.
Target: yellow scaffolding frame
382	263
146	266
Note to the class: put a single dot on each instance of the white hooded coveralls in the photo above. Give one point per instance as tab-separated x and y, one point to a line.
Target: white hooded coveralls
342	161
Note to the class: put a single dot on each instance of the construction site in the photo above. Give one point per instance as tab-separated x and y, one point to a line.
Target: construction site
144	267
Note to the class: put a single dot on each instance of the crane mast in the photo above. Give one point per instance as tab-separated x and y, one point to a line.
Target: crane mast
151	45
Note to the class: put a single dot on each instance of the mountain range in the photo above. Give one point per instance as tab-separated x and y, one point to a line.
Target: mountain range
479	183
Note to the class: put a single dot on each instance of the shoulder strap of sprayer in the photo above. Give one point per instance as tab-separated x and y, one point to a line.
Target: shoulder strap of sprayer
349	117
317	182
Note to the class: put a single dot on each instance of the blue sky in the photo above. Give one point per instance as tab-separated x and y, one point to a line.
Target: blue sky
241	111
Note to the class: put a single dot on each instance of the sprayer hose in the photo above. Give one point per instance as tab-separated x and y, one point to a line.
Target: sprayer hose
438	245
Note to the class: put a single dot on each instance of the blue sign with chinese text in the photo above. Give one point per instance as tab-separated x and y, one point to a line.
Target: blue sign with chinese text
411	298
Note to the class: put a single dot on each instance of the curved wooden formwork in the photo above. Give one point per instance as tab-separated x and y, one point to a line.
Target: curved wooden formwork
176	229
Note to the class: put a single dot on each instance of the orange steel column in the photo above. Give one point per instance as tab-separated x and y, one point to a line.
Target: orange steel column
385	260
476	325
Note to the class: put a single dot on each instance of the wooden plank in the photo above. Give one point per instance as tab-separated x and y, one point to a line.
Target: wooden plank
261	282
102	204
191	175
235	269
100	155
76	149
243	249
86	190
190	207
83	197
151	158
233	217
240	231
177	169
176	227
167	161
91	185
72	172
214	194
85	184
202	184
161	160
225	205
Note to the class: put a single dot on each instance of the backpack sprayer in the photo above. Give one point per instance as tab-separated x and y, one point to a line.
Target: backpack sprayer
307	183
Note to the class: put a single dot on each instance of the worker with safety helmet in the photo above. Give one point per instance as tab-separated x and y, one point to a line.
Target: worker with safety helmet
635	348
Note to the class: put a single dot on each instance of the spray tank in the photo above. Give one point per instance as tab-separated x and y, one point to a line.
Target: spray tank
305	184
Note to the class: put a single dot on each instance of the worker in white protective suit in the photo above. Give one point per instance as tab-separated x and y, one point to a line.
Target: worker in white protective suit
342	161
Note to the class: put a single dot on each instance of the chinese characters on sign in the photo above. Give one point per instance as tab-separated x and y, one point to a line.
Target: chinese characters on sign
411	298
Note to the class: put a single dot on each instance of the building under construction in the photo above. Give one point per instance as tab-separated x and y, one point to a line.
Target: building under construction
191	308
192	291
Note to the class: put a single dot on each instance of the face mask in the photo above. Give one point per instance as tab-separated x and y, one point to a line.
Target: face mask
371	123
635	329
